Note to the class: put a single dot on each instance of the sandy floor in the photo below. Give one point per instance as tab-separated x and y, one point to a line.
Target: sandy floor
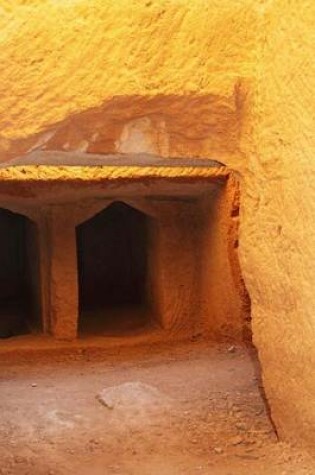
189	409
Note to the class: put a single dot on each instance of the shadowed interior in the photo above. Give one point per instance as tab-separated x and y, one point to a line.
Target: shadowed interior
19	300
112	249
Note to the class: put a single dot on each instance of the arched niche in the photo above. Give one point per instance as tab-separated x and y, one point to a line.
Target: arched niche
20	299
114	270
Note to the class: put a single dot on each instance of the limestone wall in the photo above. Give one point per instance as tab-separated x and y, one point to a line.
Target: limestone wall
278	214
231	80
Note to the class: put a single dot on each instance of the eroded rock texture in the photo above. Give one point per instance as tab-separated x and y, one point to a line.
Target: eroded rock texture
278	241
226	80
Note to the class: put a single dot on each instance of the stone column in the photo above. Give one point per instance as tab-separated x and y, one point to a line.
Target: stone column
63	274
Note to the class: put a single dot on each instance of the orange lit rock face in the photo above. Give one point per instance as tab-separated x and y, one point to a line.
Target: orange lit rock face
231	81
277	221
62	58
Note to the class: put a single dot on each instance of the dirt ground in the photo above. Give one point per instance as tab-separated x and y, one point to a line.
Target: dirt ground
190	408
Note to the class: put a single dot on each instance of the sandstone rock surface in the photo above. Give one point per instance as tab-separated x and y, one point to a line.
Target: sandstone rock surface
227	80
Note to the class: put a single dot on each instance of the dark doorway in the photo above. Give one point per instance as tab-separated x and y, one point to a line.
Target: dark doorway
113	270
19	275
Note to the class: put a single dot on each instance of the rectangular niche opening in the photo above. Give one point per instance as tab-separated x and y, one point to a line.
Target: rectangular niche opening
112	252
19	276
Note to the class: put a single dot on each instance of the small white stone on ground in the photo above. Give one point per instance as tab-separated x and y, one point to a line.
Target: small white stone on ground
236	440
135	398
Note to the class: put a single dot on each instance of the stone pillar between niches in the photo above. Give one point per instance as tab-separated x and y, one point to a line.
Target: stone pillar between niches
63	274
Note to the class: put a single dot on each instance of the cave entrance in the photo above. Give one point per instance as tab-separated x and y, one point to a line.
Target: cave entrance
19	275
112	250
